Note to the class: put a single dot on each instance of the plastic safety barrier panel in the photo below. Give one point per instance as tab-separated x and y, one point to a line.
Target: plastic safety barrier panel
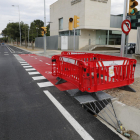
93	72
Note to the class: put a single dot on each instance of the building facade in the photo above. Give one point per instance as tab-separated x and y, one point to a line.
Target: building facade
95	26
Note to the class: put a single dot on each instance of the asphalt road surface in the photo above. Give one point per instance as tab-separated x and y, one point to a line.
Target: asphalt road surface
32	110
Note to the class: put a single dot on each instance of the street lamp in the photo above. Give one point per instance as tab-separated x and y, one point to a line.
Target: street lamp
28	35
44	26
19	21
10	34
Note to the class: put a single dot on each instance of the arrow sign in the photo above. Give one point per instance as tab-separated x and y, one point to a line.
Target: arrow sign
126	26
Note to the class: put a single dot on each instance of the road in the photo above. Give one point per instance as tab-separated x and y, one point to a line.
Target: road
32	108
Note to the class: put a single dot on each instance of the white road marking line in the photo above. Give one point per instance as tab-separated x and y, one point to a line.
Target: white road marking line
48	64
32	73
23	62
20	59
41	60
81	131
11	50
45	84
30	69
27	66
39	78
35	58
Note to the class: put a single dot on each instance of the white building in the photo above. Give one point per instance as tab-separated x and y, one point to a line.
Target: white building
94	23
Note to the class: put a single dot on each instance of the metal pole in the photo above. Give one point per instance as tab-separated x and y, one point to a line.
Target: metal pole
127	36
28	37
108	38
74	39
123	35
19	25
44	26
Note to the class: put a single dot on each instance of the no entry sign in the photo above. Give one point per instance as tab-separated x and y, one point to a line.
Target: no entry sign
126	26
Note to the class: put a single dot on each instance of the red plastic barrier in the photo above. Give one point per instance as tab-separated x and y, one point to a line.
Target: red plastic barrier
94	72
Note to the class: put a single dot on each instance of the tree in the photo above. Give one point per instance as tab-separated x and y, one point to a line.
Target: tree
48	30
24	30
36	28
12	31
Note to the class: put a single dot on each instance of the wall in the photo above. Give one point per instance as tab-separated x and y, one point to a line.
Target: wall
132	36
116	21
63	8
97	14
85	36
93	14
138	41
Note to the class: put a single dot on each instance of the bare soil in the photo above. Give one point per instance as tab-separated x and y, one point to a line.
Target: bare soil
129	98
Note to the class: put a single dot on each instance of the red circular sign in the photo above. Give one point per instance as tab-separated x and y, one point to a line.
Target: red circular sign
126	26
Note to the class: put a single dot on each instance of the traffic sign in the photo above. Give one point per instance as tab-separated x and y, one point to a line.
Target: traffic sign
126	26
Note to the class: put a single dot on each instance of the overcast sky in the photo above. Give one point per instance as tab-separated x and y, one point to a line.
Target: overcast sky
34	9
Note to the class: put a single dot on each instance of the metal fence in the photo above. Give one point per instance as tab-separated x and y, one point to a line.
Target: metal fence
54	42
51	42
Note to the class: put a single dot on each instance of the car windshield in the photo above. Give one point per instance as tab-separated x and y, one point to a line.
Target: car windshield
129	44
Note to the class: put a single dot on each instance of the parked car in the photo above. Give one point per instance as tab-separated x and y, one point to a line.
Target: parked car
131	48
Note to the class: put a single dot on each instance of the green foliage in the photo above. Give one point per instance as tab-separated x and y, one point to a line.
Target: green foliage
35	29
12	30
4	39
48	30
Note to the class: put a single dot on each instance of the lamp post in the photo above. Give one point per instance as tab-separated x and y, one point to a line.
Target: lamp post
19	21
28	35
10	35
44	26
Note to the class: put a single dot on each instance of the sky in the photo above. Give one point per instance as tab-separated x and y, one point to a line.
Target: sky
31	10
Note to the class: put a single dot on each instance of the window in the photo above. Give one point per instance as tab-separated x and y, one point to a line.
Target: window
66	33
61	24
104	37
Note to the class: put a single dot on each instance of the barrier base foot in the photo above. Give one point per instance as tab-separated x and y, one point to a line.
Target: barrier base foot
127	88
60	81
102	96
73	92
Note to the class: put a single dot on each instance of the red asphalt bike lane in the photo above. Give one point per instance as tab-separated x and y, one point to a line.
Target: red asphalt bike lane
39	63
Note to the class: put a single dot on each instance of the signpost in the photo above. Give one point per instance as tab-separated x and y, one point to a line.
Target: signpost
126	27
123	35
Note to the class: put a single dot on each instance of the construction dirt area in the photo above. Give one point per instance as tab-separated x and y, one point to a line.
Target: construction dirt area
129	98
